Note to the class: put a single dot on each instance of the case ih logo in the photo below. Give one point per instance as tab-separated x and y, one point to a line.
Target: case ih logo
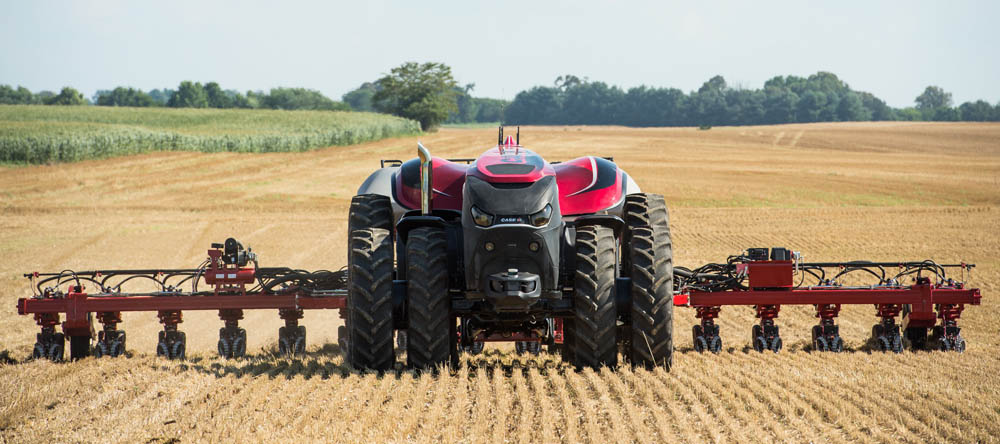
511	220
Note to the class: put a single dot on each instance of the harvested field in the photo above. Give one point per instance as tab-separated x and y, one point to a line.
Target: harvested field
876	191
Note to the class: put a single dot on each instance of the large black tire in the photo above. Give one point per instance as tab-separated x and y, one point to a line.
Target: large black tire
652	310
428	305
369	300
369	211
595	315
646	210
647	258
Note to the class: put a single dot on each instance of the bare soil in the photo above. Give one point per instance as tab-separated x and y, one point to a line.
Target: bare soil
876	191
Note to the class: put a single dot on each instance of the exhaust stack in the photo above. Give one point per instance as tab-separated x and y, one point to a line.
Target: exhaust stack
426	193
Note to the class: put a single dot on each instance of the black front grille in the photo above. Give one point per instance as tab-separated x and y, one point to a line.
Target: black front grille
510	168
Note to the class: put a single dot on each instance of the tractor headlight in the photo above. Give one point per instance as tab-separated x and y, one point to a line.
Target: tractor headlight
480	217
541	218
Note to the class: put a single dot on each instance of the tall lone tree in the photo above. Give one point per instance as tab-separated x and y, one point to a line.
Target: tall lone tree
422	92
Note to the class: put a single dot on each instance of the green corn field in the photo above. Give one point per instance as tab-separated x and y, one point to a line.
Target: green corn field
34	134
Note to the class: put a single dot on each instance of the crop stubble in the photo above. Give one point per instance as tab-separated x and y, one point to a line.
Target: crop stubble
833	191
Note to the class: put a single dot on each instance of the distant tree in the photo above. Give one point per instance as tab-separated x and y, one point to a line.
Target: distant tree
122	96
909	114
708	105
745	106
97	95
361	98
468	108
978	111
19	96
161	96
645	106
241	101
490	110
826	82
811	106
216	97
539	105
775	82
189	95
715	84
253	100
42	96
876	107
592	103
568	81
946	115
931	100
780	103
68	96
300	98
422	92
852	109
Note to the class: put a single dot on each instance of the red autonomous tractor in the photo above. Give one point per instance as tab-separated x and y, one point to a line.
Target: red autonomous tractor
506	247
515	248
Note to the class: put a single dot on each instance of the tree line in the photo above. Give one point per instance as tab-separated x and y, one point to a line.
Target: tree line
429	94
187	95
821	97
23	96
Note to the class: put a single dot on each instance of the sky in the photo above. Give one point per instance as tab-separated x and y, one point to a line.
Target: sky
891	49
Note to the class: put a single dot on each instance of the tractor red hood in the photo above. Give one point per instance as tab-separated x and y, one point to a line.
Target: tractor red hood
511	164
587	185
